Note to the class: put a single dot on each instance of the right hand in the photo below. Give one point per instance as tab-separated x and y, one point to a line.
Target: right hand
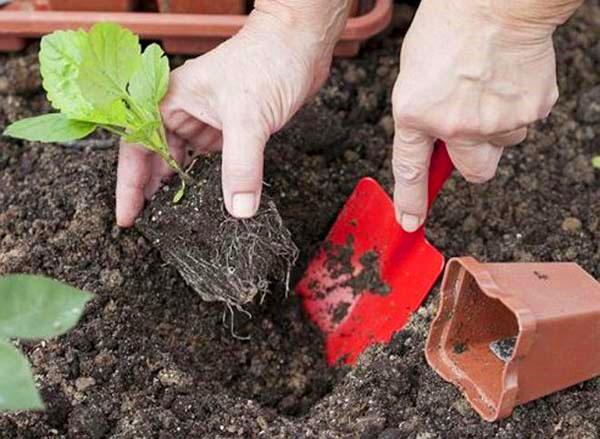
475	78
232	99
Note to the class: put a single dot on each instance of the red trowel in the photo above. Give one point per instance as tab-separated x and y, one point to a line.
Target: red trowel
370	275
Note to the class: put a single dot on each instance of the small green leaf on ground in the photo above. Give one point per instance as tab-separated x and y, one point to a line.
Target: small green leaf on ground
53	127
38	307
596	162
108	62
17	388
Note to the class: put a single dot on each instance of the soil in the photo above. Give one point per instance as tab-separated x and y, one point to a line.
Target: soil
220	257
150	359
504	349
365	278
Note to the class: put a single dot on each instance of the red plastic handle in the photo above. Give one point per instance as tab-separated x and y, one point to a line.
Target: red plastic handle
440	170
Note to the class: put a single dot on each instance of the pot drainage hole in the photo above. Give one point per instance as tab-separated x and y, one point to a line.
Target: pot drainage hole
503	349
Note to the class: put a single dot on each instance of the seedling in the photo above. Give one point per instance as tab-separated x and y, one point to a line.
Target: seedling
101	79
31	307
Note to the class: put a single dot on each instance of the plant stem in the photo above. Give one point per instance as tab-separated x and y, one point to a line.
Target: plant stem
114	130
158	143
164	153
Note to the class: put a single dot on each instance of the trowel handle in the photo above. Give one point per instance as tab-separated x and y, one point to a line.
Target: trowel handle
440	170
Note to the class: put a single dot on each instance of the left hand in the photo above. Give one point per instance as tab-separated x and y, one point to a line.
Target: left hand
233	98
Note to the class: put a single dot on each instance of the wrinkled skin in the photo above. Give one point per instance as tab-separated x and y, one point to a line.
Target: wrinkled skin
485	78
474	74
233	98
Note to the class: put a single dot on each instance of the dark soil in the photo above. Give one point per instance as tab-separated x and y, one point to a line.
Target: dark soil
360	279
222	258
150	359
504	349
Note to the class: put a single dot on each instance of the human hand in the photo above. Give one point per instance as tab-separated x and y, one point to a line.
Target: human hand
234	97
474	74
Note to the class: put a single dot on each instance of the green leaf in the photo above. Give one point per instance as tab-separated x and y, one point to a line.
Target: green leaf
596	162
143	134
150	82
60	57
60	60
54	127
17	387
38	307
180	193
108	62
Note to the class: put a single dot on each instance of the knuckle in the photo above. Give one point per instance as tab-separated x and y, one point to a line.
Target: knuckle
554	95
480	174
491	126
452	128
403	109
403	114
167	110
528	115
544	111
477	179
407	173
406	119
242	173
477	165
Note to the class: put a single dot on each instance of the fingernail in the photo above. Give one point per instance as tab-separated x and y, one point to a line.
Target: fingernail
243	205
410	223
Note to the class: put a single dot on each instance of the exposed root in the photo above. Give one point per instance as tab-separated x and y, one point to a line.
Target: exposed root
232	321
221	257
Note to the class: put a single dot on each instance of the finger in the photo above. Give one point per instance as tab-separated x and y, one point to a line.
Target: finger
476	162
204	142
133	174
410	164
510	138
160	170
175	120
190	128
216	145
242	169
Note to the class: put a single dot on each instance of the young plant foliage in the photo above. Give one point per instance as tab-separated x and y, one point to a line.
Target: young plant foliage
101	79
31	307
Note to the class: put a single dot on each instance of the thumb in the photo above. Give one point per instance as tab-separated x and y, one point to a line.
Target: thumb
242	168
410	163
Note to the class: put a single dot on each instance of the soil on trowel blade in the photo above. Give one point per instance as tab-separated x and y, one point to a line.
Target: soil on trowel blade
364	278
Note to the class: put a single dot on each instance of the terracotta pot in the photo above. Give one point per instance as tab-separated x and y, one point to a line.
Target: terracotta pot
225	7
92	5
507	334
